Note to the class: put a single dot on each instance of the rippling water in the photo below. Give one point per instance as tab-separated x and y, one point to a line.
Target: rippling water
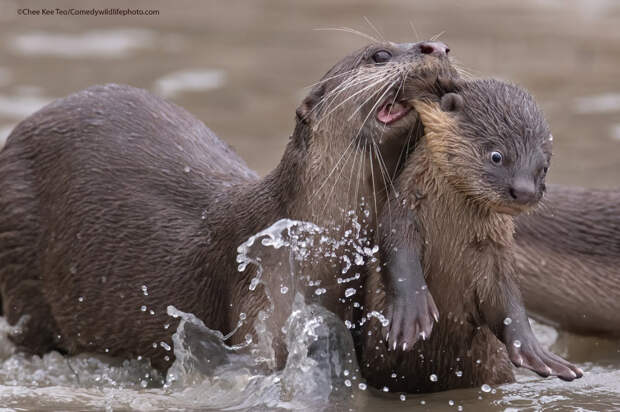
242	68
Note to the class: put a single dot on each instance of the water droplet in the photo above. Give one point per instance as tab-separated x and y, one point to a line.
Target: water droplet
165	346
458	374
166	326
242	316
433	378
459	408
451	402
385	389
347	383
507	321
143	308
478	361
319	291
152	312
362	386
422	402
254	283
81	299
154	345
517	343
393	375
346	372
359	259
145	291
143	384
283	290
187	169
166	358
73	269
403	397
348	324
485	388
349	292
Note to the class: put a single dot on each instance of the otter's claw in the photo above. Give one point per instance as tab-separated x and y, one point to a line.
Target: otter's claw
533	356
411	318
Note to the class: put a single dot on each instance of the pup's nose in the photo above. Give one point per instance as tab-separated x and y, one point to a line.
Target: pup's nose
434	48
523	190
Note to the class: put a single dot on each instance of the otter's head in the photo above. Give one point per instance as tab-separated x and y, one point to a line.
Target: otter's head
492	141
360	110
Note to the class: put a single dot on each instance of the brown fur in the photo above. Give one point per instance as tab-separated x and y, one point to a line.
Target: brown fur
113	188
568	260
467	259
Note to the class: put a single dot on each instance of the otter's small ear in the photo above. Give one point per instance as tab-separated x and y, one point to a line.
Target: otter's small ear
447	84
309	103
451	102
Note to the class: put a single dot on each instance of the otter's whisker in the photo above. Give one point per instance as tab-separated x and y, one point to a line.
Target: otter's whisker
374	194
349	30
377	154
337	179
332	171
438	35
417	35
360	172
347	99
357	149
331	78
364	103
372	26
405	148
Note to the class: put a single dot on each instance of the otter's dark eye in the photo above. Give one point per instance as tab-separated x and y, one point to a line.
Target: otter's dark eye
496	157
545	169
382	56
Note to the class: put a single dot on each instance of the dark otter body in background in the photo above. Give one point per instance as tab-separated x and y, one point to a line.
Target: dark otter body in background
568	259
473	169
116	204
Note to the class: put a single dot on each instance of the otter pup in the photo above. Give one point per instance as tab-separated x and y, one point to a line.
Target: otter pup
482	161
116	204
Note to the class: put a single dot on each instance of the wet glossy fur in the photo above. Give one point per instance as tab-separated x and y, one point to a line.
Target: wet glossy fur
466	247
568	260
112	189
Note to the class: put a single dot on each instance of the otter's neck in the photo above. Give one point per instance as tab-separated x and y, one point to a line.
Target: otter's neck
260	203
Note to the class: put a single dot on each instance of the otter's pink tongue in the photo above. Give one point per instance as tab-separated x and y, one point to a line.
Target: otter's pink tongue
390	112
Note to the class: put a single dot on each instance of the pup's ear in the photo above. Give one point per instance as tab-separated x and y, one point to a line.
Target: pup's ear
305	111
451	102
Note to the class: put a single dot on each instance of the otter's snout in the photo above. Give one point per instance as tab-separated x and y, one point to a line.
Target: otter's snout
434	48
523	190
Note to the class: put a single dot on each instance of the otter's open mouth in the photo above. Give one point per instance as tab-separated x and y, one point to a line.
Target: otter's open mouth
392	110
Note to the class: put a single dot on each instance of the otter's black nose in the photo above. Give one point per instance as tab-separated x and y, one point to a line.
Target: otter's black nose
435	48
523	190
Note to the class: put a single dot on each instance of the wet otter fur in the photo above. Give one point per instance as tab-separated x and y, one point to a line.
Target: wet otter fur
116	204
568	260
482	160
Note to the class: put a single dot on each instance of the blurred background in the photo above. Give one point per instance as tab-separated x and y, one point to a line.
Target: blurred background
242	66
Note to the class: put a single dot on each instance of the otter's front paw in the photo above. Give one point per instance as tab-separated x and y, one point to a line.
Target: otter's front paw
531	355
411	318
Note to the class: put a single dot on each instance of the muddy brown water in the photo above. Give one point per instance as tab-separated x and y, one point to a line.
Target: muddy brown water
242	68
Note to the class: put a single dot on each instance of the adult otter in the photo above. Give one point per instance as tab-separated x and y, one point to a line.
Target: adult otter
483	158
568	260
116	204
